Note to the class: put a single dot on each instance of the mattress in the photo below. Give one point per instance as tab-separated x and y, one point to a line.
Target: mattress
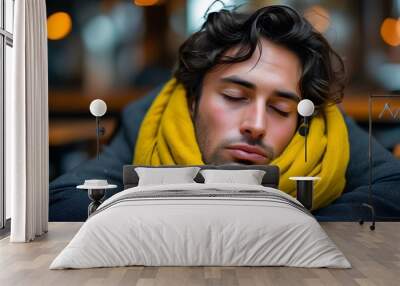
201	225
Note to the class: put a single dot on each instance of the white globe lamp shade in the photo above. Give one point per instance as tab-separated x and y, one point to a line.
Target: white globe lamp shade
98	107
305	108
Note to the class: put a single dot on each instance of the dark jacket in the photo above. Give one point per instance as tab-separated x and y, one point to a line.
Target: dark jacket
69	204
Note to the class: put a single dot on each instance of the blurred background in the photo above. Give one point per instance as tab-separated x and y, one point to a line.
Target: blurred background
118	50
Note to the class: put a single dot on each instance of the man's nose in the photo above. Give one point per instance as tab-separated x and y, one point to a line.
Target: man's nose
253	123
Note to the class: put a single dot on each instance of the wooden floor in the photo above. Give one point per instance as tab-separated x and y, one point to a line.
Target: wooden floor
374	255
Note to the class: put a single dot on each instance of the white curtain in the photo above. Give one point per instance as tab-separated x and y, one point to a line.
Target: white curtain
27	124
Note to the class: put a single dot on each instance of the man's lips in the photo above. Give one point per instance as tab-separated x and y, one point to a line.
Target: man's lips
247	152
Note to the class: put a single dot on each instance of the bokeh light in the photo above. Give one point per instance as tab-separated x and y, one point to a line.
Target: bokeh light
145	2
99	34
196	12
128	21
390	31
318	17
59	25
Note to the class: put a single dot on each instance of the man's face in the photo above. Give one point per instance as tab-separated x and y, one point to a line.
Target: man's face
247	112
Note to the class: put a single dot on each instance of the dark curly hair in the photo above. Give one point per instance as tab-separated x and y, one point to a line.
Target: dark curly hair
322	79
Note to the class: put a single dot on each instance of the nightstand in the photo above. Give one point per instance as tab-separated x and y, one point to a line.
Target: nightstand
96	191
304	192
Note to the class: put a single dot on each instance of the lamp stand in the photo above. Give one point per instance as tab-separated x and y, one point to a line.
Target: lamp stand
99	132
96	196
369	205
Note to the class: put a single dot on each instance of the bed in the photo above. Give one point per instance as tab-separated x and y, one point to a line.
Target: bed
201	223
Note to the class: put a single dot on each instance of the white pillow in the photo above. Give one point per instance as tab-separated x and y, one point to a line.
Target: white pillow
162	176
248	177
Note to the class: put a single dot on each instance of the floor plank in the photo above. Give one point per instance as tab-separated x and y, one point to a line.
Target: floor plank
374	255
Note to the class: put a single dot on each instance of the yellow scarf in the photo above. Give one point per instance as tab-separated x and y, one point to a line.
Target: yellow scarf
167	137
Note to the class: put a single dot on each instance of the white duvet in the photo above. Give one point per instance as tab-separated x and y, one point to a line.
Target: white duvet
224	225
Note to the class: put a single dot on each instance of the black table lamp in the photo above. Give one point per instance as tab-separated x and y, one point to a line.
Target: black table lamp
96	188
304	185
98	108
306	109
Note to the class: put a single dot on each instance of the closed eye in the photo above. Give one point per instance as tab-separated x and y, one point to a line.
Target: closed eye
233	98
279	111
